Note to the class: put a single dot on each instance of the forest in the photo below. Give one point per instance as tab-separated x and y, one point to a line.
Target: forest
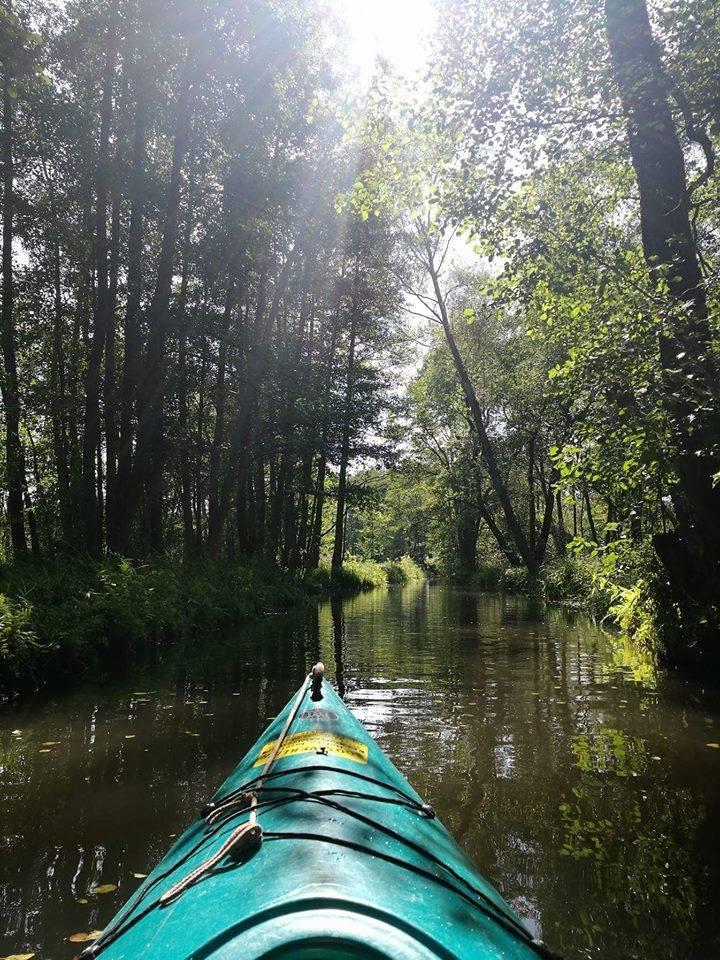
260	326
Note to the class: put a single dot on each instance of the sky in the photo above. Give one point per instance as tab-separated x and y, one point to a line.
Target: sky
396	30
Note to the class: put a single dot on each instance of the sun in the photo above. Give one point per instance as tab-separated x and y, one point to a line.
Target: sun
394	30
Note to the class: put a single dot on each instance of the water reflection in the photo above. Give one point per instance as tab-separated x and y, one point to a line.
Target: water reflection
579	781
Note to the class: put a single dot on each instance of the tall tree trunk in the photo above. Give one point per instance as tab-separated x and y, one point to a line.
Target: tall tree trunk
561	536
199	498
110	391
591	519
339	543
520	541
531	493
260	505
118	526
182	394
14	456
216	448
313	552
692	553
101	316
59	404
147	469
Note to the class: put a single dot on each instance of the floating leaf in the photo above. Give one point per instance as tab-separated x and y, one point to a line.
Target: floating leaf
83	900
130	736
139	876
18	956
713	746
44	750
52	743
656	758
16	733
104	888
84	937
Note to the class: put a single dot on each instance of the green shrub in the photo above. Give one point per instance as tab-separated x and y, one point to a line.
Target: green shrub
488	576
403	570
357	574
19	646
516	580
634	611
571	579
65	619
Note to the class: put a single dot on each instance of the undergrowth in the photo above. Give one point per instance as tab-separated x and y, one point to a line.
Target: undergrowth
65	619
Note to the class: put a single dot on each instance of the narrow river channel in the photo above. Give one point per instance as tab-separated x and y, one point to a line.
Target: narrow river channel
586	787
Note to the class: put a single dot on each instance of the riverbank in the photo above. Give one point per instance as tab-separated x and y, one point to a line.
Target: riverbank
621	597
68	619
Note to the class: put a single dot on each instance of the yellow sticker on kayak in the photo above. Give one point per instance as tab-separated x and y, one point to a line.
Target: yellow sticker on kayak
316	741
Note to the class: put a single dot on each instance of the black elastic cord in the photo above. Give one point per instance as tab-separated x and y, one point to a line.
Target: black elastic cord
290	794
306	768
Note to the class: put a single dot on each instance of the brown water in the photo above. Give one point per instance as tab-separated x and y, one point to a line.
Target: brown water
581	784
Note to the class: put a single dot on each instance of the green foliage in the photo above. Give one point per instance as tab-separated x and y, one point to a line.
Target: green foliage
355	576
358	574
403	570
570	579
62	620
635	612
19	645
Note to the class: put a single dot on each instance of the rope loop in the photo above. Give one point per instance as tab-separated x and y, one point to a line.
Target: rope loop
248	836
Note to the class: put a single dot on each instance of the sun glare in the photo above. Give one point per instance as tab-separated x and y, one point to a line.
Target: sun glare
394	30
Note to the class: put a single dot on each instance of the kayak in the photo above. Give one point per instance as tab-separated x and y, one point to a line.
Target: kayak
316	848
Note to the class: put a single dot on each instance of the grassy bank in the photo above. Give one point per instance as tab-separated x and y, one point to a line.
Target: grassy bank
66	619
63	620
358	575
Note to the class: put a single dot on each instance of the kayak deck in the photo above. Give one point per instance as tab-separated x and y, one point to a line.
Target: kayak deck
351	862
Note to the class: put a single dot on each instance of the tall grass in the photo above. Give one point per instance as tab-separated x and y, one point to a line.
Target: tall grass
65	619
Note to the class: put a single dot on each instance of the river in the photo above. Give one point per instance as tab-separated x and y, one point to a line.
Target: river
584	785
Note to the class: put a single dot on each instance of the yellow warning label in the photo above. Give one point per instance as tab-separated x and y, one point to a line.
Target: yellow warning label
316	741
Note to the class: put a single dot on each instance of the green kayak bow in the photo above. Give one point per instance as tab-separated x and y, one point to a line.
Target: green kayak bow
316	848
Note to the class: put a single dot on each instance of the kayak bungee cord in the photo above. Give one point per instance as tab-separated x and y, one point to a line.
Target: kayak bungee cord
248	836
